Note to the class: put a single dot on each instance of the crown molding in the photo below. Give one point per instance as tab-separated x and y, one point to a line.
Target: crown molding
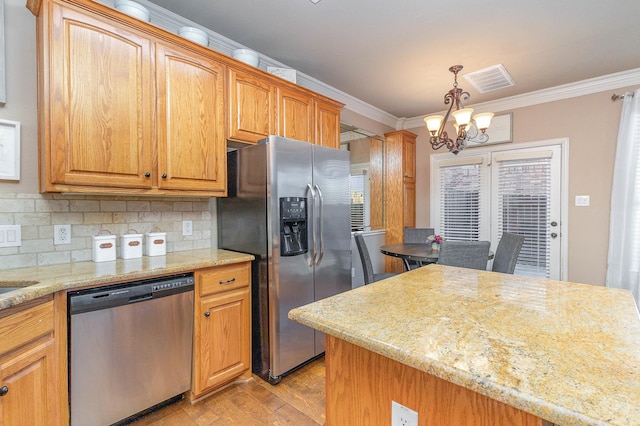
171	22
557	93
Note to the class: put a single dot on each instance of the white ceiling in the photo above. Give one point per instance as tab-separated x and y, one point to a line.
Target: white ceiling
395	55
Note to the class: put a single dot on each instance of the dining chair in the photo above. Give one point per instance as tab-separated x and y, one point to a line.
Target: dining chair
465	254
507	253
367	266
416	235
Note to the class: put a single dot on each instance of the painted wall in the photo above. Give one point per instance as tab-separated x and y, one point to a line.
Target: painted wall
591	124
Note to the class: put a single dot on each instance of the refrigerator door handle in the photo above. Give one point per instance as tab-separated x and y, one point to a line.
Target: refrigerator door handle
313	228
319	222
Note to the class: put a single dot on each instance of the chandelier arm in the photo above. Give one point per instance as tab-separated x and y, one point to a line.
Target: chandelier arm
441	130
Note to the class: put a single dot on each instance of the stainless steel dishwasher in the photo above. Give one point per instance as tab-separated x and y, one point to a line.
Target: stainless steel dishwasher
130	348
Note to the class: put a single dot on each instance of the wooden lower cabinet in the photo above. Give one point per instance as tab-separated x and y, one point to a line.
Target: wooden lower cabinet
28	375
222	327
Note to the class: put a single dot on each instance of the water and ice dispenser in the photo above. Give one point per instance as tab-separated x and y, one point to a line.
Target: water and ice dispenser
293	226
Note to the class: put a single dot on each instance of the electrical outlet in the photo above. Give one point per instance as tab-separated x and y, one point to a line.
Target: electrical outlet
187	228
403	416
61	234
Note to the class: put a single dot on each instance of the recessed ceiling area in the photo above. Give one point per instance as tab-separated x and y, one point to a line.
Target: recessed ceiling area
396	55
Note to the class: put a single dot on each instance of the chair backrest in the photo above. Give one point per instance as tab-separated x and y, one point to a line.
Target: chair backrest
367	266
417	235
466	254
507	253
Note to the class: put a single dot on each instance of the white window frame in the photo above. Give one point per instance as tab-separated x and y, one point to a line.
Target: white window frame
486	151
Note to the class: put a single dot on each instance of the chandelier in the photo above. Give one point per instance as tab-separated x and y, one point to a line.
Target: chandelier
466	129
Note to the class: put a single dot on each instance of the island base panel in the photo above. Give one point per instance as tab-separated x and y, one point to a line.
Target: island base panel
361	385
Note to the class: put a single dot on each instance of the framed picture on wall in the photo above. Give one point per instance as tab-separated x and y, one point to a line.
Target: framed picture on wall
9	150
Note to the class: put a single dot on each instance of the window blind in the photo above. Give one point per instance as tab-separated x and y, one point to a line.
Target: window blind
524	193
460	198
358	200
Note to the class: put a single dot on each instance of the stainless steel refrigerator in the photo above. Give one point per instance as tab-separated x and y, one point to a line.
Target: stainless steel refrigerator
288	205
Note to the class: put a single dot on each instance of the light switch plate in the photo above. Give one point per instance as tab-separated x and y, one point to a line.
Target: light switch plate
10	235
582	200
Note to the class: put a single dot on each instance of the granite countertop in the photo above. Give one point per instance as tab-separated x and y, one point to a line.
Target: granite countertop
568	353
41	281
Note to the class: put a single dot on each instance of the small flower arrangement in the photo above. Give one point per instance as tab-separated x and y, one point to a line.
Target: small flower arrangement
434	239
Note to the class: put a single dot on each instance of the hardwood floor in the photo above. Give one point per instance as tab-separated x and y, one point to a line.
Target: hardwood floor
299	399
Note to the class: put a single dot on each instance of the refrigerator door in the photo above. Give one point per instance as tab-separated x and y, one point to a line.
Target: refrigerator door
290	277
333	230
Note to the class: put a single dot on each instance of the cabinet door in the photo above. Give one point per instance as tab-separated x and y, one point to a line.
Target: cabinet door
30	387
409	198
190	121
222	339
252	107
296	115
327	125
409	159
99	103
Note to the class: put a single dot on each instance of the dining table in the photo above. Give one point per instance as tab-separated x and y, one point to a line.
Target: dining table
417	252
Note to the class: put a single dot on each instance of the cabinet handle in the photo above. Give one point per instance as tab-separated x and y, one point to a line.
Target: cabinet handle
226	281
164	176
207	314
4	390
147	174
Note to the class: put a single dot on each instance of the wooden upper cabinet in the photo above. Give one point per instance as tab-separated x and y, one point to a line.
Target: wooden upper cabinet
98	108
125	107
251	106
190	121
327	124
409	159
296	114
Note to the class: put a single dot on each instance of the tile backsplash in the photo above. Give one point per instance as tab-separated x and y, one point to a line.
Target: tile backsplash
88	215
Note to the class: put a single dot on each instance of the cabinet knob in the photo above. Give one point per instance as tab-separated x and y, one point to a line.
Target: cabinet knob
4	390
164	176
147	174
207	314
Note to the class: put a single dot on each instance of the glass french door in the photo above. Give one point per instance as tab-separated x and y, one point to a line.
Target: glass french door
480	195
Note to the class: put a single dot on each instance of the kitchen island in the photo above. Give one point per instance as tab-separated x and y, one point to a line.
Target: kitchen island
461	346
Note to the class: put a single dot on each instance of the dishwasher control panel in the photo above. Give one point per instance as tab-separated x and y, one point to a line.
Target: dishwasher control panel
174	283
93	299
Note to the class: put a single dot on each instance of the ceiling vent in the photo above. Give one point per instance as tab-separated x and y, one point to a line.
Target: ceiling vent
488	79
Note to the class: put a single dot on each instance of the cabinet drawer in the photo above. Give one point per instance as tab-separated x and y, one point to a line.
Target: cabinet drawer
223	278
25	325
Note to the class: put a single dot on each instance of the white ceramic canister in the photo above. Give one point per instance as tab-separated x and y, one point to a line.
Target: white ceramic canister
131	245
156	243
104	246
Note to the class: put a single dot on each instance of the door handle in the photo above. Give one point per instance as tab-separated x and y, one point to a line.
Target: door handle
554	235
207	314
319	222
554	223
313	228
4	390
